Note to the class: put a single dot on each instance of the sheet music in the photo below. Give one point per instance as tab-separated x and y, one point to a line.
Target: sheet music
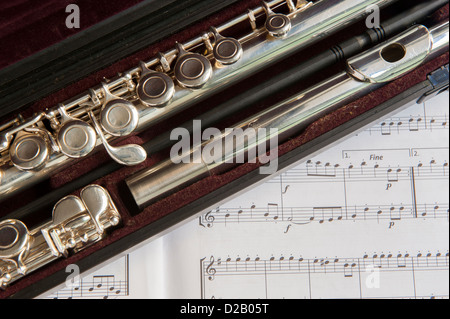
366	218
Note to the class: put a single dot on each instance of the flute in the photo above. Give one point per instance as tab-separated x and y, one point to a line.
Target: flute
34	149
278	82
365	72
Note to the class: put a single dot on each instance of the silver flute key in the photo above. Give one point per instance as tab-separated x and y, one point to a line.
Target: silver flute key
226	50
129	154
278	25
192	70
154	88
77	222
118	116
76	138
29	150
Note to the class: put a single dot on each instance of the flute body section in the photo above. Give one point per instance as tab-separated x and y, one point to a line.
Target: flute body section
33	149
365	73
77	223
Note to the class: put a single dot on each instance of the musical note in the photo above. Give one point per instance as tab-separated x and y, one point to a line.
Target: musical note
399	124
435	209
240	211
251	210
227	215
432	163
432	121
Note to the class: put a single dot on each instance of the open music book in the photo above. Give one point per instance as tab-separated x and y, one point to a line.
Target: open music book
366	218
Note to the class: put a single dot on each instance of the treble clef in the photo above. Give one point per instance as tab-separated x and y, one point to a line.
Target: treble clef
210	270
208	218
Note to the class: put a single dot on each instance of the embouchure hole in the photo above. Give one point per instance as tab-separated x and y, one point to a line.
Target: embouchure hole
393	52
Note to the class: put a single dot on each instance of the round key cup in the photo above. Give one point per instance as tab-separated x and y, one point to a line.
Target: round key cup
14	242
154	88
277	24
29	151
192	70
118	116
75	137
226	50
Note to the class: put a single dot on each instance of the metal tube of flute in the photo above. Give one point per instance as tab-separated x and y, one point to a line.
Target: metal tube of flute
366	72
262	47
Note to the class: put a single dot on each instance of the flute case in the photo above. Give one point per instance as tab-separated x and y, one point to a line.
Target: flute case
43	63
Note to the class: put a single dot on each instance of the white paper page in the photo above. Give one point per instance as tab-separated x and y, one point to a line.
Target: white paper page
366	218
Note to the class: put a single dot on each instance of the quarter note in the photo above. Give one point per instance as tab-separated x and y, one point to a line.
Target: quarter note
226	217
240	211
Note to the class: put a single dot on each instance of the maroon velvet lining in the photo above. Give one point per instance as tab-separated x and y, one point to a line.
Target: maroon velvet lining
27	28
203	187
